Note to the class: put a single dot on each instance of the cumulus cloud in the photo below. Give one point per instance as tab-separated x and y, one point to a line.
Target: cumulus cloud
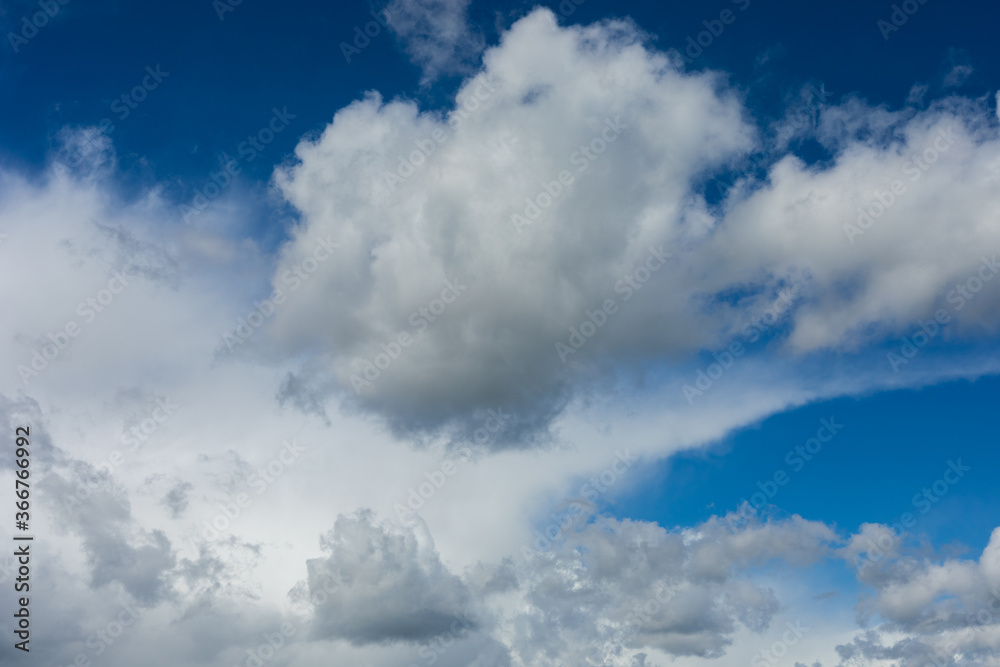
613	592
627	585
939	612
609	588
392	584
464	233
593	104
464	263
873	261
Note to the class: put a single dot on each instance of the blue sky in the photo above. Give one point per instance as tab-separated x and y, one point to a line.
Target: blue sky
225	76
462	342
892	446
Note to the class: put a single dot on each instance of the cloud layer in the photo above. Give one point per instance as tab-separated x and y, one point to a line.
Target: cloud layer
545	243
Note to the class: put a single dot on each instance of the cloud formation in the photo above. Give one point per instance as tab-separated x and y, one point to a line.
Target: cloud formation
551	231
609	588
391	583
621	125
463	249
935	611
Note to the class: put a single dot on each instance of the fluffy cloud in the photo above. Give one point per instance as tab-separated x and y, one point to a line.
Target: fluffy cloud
391	584
615	591
592	104
384	236
464	263
895	227
933	612
615	586
607	589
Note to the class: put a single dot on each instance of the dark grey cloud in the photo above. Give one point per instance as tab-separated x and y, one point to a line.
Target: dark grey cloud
91	505
307	392
177	499
88	502
394	587
24	411
607	586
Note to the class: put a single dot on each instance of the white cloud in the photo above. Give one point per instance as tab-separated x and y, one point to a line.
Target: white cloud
436	34
869	261
944	612
395	244
630	584
522	289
